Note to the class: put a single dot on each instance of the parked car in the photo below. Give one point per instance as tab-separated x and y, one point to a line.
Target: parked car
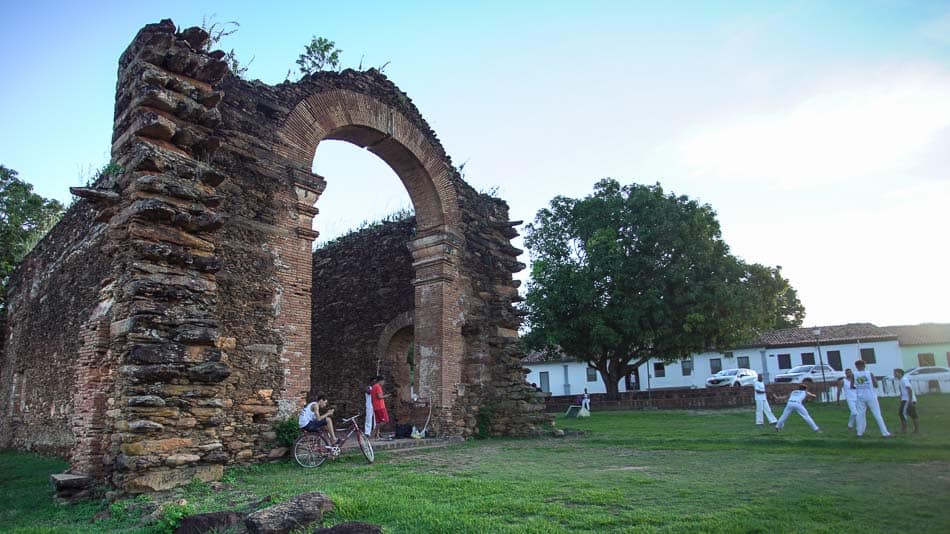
928	373
731	377
806	374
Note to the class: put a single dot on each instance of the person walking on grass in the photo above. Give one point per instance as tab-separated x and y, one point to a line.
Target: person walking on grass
864	385
846	388
796	403
908	407
762	407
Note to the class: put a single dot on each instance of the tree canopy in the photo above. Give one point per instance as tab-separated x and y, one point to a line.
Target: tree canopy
25	217
630	273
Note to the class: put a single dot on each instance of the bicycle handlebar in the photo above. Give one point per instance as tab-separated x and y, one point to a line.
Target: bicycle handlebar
348	419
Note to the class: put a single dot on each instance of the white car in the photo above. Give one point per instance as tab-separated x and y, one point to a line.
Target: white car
732	377
806	374
928	373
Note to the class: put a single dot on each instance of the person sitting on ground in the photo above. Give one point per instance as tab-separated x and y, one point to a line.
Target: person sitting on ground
313	417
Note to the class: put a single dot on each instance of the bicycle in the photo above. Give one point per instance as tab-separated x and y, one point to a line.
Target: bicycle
312	449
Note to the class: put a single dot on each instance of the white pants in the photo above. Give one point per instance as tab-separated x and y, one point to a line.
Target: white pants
868	401
370	416
762	408
853	408
795	407
585	404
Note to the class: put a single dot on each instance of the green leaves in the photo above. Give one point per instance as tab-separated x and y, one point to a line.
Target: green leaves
25	218
320	54
632	272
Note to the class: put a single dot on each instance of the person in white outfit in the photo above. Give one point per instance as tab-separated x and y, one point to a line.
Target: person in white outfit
908	407
796	403
370	416
864	385
762	408
585	402
846	389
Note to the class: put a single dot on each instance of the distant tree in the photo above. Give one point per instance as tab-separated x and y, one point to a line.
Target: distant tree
320	54
631	273
25	218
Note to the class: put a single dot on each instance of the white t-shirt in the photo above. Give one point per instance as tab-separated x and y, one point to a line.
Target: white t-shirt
905	384
863	380
846	391
759	390
797	396
306	415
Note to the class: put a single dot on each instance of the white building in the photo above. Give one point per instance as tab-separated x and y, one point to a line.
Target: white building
771	354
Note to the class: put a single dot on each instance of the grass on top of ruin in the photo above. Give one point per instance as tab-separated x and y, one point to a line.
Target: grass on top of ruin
645	471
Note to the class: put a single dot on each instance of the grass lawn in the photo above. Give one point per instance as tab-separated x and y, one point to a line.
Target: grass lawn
672	471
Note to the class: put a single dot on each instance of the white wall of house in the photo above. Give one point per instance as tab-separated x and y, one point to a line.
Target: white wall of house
570	378
566	378
887	355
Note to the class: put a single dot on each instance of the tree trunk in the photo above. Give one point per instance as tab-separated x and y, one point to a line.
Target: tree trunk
612	379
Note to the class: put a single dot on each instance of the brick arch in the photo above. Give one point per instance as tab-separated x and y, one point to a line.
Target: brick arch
367	122
398	135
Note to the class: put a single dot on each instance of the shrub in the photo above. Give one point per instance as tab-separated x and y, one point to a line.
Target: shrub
287	431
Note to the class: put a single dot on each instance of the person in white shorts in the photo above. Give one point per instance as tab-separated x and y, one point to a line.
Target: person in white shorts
908	407
762	407
846	388
864	384
796	403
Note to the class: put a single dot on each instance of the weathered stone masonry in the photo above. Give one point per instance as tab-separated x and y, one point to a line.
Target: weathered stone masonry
158	331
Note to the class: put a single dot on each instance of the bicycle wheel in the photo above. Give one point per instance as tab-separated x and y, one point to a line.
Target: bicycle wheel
309	452
366	447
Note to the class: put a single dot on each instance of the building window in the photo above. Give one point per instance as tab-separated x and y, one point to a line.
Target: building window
868	356
784	361
591	374
834	360
808	358
743	362
926	358
727	354
659	370
948	358
687	366
715	365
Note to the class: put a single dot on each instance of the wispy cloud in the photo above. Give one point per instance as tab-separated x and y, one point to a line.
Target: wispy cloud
864	126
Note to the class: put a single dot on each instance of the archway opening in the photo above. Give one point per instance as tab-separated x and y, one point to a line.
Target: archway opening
362	279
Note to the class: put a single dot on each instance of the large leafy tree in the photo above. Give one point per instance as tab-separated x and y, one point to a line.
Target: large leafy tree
631	273
25	217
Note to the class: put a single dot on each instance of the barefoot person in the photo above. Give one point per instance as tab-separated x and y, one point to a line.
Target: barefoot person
908	407
846	389
796	403
864	384
314	416
762	407
379	403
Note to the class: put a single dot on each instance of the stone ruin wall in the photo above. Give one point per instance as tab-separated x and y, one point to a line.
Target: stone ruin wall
173	302
52	346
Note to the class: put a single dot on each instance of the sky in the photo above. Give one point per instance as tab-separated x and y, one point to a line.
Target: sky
818	131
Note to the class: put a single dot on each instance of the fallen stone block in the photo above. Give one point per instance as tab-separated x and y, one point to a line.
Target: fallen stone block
298	512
